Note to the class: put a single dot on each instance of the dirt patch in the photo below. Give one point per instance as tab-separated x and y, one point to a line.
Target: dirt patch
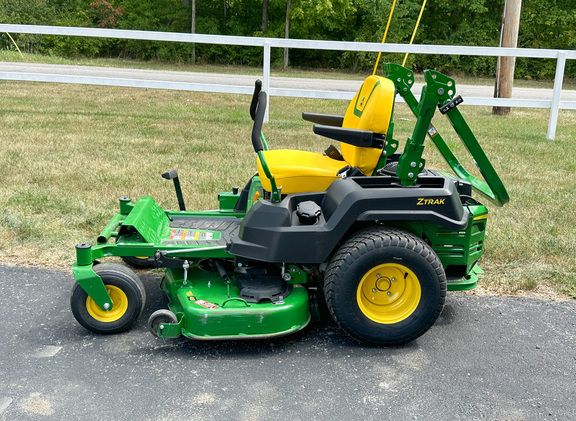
542	291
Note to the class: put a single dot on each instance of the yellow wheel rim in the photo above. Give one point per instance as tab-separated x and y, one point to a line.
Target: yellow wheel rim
119	306
388	293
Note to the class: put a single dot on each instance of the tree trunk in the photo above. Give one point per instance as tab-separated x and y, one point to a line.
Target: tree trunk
264	15
287	31
509	38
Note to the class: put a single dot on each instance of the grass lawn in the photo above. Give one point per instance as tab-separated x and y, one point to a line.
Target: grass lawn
68	152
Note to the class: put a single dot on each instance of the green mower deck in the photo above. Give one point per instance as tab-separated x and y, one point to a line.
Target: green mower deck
210	308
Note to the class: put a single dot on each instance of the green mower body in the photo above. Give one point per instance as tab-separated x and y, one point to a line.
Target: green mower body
377	251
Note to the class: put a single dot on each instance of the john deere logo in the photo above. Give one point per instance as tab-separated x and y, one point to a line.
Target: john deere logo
361	102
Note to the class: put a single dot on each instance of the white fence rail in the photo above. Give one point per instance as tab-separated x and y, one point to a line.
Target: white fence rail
554	104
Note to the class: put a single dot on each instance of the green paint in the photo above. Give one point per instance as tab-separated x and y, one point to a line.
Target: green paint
92	284
227	201
440	90
357	112
209	308
148	219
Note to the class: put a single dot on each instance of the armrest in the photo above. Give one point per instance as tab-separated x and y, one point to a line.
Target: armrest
325	119
355	137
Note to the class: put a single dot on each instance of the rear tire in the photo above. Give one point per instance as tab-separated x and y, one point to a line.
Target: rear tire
385	286
140	262
128	299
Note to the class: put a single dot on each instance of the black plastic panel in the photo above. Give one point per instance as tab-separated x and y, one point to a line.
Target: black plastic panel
271	231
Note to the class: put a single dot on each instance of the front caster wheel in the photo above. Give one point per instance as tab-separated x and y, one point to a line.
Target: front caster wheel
158	318
385	286
128	298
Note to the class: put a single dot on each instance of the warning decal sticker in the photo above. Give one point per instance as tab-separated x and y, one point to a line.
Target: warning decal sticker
191	235
205	304
432	130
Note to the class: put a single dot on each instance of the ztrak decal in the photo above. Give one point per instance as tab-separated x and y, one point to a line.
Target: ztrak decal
422	201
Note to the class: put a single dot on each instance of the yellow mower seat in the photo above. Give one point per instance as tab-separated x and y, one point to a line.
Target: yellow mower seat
301	171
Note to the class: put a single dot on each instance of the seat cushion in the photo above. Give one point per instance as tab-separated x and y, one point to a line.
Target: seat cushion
371	109
299	171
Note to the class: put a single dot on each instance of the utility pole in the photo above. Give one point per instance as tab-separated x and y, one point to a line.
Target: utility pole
505	69
193	30
264	15
287	31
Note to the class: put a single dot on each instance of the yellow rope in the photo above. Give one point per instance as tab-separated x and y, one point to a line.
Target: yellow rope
384	38
415	29
15	45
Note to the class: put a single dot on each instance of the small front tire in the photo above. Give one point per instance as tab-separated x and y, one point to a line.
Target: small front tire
128	299
158	318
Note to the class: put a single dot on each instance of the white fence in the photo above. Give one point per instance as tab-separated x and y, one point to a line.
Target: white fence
267	43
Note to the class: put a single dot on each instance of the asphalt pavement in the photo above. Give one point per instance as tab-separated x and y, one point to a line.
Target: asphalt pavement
486	358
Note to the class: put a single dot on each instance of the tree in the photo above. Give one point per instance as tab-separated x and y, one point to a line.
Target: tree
106	13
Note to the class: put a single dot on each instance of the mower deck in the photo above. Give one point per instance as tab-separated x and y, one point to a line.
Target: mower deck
209	307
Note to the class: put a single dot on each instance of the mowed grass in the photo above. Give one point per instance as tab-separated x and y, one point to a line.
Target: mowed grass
68	152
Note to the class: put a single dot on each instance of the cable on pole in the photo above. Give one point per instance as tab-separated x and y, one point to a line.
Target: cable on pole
415	29
384	37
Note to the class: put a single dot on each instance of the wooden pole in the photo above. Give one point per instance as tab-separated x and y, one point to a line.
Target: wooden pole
505	69
193	30
287	31
264	15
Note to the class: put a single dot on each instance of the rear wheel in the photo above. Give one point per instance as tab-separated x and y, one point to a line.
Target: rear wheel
139	262
385	286
126	292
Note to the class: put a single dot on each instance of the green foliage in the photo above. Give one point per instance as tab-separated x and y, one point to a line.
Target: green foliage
32	12
155	15
544	24
476	22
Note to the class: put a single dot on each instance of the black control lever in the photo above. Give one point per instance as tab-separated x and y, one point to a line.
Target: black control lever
254	103
173	175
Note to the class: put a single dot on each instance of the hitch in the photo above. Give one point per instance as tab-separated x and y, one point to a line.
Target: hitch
440	91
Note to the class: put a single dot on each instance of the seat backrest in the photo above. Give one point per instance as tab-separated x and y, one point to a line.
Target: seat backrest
371	109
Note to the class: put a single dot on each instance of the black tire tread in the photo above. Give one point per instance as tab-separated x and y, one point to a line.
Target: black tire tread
370	239
104	270
111	267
